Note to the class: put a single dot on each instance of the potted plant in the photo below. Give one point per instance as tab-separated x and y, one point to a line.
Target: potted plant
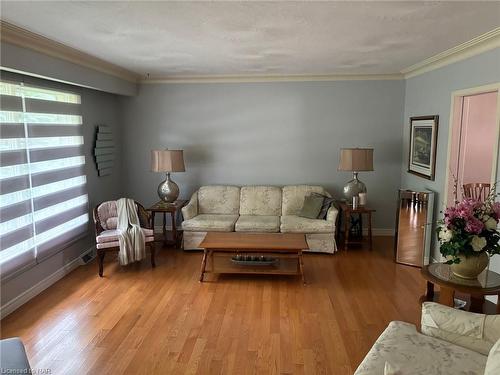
468	235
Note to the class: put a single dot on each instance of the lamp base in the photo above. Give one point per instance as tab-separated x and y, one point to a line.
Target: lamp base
168	191
354	187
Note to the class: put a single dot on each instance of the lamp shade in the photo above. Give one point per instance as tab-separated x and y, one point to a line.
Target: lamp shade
167	161
356	159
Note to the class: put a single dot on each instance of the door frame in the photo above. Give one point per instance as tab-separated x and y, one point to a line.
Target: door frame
466	92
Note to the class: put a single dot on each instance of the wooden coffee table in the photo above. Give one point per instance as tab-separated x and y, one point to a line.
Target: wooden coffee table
286	248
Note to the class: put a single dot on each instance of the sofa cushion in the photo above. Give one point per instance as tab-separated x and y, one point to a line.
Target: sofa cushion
293	197
404	348
260	200
112	235
297	224
210	223
219	200
474	331
106	245
105	211
258	223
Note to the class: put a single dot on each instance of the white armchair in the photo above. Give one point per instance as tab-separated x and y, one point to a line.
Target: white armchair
452	342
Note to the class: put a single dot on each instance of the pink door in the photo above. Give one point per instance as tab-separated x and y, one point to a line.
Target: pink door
474	140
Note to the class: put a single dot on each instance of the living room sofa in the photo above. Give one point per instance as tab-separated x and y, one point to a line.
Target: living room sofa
452	342
259	209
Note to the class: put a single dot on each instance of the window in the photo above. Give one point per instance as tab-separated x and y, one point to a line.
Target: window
43	197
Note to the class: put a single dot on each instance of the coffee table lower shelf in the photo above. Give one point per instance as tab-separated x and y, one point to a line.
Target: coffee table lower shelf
220	262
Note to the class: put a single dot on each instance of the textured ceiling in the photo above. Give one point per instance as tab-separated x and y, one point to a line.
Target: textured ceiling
257	38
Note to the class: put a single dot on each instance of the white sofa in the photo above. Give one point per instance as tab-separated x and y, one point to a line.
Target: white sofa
269	209
452	342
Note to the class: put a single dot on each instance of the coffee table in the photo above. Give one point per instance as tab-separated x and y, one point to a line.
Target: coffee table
285	248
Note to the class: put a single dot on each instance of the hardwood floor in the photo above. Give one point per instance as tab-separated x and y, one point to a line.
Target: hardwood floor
138	320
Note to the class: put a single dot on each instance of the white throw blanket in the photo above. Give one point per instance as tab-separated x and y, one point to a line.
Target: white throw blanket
131	237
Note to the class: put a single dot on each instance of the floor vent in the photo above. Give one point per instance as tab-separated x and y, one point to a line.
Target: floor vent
89	256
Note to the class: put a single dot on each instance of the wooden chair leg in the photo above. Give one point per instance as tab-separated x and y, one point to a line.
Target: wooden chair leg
100	256
152	249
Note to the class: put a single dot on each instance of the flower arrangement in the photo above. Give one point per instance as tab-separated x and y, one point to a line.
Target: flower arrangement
470	228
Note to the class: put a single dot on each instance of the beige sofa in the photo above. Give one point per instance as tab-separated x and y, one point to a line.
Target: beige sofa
452	342
269	209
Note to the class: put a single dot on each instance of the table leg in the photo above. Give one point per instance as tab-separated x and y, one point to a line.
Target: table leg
370	238
301	267
203	265
153	221
429	294
498	304
476	303
174	228
164	229
347	218
446	296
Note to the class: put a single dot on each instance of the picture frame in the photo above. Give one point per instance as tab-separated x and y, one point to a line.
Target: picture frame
423	146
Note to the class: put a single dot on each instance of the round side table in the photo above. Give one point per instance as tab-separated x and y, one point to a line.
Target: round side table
486	284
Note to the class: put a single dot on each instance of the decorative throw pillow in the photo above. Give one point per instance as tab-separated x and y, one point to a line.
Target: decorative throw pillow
493	361
327	203
311	207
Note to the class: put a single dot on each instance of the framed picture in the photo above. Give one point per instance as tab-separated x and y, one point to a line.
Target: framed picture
423	142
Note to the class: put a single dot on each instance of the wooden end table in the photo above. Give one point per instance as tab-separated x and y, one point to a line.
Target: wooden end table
285	247
487	283
164	208
347	211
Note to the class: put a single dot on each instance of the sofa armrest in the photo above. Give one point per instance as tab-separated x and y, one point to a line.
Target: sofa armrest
477	332
190	210
332	213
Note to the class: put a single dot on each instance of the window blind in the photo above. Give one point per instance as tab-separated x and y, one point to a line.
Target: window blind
43	200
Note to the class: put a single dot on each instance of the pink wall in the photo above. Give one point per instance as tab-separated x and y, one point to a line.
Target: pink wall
474	139
478	139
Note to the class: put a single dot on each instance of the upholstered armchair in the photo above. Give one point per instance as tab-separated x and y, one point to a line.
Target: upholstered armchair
451	342
106	219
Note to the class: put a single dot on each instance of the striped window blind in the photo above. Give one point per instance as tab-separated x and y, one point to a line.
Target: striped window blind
43	197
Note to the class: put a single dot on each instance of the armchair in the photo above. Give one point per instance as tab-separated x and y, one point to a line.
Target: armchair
106	219
452	342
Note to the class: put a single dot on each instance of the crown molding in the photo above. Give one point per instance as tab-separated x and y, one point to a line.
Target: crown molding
21	37
475	46
271	78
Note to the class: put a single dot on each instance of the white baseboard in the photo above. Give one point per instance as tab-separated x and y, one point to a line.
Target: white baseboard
384	232
39	287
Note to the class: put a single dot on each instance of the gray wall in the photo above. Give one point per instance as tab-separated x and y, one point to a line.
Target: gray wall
97	108
266	133
430	94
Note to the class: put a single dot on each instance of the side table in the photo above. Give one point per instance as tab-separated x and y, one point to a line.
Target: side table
347	211
164	208
487	283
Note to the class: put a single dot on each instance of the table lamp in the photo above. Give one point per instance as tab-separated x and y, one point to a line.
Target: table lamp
167	161
355	160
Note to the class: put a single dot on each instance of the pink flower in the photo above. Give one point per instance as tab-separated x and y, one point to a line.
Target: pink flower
474	225
450	214
465	209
